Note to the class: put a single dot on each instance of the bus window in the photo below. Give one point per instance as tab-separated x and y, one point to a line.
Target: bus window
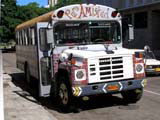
71	33
107	32
43	40
28	36
16	37
25	37
21	38
94	32
32	36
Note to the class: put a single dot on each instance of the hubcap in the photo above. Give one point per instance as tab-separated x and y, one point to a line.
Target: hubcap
63	93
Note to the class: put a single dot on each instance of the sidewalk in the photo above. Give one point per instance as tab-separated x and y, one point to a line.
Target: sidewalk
19	104
1	89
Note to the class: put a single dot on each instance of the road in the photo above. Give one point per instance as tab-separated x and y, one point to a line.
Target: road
98	108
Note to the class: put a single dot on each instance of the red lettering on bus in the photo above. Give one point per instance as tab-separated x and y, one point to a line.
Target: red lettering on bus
88	11
67	13
82	13
74	12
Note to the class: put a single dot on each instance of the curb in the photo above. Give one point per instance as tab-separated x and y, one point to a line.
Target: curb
1	89
7	78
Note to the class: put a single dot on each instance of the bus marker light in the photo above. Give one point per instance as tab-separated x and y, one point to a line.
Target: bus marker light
114	14
73	61
60	14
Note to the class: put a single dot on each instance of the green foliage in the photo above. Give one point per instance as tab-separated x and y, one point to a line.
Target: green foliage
12	15
62	3
8	22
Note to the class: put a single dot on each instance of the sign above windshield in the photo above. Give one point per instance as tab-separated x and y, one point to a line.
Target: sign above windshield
85	12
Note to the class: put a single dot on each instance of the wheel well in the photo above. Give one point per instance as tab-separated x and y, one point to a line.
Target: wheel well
54	85
62	72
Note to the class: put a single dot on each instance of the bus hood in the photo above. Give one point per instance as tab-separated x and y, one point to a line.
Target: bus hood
88	53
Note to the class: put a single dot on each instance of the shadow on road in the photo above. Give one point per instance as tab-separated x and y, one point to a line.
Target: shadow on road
95	102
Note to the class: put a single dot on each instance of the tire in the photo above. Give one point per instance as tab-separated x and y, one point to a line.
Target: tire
27	74
132	96
64	94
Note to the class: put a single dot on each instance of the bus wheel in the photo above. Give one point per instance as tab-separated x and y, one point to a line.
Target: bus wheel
64	94
132	96
27	74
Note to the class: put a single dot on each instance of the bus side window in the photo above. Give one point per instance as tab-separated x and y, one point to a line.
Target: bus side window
28	36
33	36
17	38
43	40
25	36
21	38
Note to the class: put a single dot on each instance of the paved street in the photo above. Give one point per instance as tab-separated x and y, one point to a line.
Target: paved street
97	108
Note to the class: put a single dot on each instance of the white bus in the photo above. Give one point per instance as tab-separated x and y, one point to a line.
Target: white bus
76	51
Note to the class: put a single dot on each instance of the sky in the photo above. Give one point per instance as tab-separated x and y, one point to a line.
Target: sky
25	2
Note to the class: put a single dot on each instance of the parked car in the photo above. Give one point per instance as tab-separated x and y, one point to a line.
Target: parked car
152	64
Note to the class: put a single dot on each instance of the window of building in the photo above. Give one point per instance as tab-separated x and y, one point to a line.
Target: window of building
128	17
141	20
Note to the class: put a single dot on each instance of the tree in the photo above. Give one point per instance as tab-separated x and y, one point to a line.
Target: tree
13	14
8	22
62	3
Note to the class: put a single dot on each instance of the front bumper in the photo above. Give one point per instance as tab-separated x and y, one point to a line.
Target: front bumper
152	71
104	88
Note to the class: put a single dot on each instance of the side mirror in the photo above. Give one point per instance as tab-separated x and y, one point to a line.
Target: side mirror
49	34
131	32
147	49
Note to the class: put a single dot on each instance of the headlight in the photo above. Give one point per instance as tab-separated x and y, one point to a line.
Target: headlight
139	68
80	75
149	67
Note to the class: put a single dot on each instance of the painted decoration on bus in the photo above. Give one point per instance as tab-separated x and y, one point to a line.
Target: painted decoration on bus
85	12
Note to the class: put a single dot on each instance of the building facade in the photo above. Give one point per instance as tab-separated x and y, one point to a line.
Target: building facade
144	15
52	3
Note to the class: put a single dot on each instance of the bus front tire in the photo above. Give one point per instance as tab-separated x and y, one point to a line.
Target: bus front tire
64	94
132	96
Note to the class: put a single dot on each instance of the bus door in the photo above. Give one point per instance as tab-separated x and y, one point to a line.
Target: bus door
44	52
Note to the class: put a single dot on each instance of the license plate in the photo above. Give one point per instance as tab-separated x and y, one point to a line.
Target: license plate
157	69
113	87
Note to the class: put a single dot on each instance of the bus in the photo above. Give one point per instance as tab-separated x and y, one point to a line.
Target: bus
76	51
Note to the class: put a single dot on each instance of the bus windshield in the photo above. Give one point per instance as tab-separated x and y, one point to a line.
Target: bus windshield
87	33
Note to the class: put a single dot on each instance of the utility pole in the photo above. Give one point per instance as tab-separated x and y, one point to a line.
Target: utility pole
0	18
1	5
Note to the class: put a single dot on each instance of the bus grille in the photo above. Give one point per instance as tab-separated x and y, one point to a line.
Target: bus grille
110	68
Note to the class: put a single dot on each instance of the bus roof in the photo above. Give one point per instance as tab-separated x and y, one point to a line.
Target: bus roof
76	12
44	18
